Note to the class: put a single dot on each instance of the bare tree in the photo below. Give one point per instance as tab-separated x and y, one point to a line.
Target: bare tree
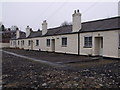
65	23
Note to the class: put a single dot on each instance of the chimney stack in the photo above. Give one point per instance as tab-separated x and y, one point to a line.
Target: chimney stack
17	33
76	17
28	31
44	27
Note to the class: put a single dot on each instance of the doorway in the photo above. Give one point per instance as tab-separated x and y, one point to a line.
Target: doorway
21	44
53	45
99	46
31	42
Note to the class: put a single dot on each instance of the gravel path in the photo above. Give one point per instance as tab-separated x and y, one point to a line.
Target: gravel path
24	73
33	59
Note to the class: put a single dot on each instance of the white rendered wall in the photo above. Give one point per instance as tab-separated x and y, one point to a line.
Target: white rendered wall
3	45
72	44
110	43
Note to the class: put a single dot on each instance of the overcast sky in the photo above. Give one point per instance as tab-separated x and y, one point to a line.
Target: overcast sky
22	14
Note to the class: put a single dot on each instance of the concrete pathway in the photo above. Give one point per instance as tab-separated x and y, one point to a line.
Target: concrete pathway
33	59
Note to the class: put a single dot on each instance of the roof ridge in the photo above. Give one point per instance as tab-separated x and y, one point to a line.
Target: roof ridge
58	27
101	19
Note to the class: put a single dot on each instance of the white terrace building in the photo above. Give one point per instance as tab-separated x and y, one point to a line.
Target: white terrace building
96	38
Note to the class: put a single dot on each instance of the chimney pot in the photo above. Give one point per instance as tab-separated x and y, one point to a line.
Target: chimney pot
78	10
44	20
75	11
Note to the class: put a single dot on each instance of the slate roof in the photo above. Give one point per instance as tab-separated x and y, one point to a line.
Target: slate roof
59	30
14	37
91	26
35	34
7	35
51	31
101	25
22	35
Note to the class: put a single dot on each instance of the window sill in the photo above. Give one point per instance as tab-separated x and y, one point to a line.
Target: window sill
64	46
86	47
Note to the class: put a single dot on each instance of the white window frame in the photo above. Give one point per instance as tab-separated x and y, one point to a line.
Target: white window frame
11	42
37	42
48	42
18	42
29	42
88	42
64	42
22	42
14	42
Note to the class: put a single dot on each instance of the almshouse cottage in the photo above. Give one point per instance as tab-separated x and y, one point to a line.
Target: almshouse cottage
96	38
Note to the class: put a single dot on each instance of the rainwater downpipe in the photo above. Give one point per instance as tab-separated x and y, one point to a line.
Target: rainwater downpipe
78	43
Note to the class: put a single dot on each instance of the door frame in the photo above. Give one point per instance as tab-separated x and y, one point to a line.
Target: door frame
31	42
99	44
101	47
53	45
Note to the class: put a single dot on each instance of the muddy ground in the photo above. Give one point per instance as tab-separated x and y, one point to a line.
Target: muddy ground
23	73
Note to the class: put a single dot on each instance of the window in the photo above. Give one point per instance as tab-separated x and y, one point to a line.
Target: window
29	42
88	42
14	42
11	42
48	42
22	42
18	42
37	42
64	41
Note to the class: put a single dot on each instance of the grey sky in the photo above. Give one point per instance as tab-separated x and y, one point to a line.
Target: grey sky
33	13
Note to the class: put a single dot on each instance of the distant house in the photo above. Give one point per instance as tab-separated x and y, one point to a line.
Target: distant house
6	34
96	38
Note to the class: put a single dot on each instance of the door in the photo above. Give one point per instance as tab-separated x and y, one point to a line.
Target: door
21	44
53	45
98	46
31	44
101	46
